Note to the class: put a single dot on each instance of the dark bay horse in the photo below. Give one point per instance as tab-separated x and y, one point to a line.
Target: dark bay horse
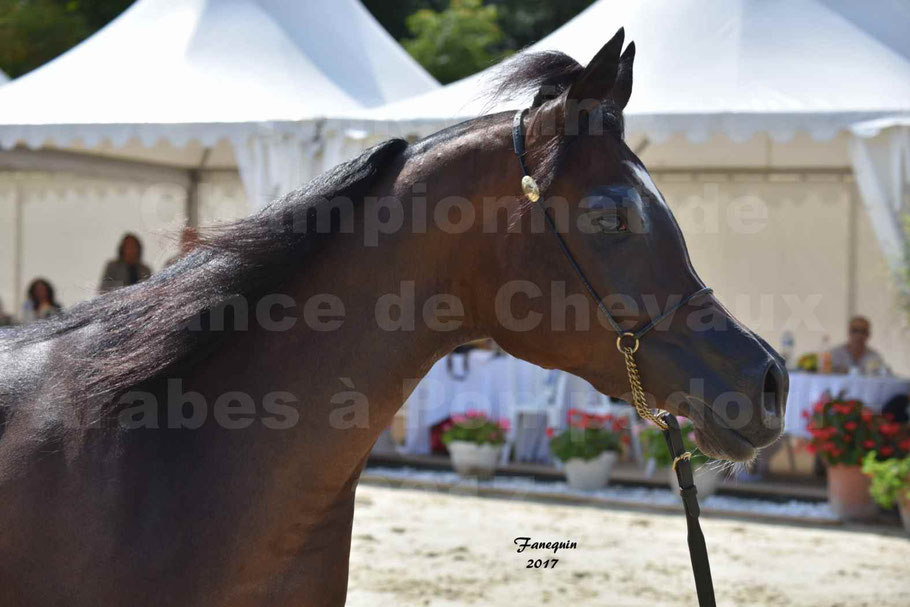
196	440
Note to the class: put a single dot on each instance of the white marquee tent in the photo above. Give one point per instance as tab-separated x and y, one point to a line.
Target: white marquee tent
177	92
737	67
793	104
209	71
3	77
746	69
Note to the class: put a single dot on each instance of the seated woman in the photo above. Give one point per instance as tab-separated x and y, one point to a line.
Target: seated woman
40	303
127	269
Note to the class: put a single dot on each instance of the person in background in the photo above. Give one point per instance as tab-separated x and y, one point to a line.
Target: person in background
856	353
127	269
188	239
40	302
5	319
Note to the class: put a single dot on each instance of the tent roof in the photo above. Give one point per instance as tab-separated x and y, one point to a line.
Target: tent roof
3	77
732	66
203	69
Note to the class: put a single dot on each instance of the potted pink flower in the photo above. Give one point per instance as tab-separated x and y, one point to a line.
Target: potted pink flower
475	443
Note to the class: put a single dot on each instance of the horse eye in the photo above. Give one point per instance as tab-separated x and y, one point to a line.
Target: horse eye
611	223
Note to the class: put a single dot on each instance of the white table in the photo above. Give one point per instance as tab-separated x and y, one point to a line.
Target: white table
807	388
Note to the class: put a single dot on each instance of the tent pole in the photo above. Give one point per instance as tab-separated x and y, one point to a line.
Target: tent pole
852	249
192	190
18	234
192	199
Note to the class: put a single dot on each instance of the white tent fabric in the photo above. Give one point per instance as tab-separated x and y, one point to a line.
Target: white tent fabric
880	152
3	78
274	163
204	70
737	67
258	73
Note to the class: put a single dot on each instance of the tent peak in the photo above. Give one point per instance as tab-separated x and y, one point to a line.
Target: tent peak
198	62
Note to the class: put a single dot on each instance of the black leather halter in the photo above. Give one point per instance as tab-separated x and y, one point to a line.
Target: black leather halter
698	551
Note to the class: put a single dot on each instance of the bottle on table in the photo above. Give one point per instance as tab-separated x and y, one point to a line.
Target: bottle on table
826	365
787	343
873	367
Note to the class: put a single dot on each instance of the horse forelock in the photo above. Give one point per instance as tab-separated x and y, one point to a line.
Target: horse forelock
547	76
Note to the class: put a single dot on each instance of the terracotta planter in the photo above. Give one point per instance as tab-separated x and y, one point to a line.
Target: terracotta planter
848	493
471	459
590	474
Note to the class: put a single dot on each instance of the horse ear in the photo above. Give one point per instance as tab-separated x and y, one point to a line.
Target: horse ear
596	82
622	90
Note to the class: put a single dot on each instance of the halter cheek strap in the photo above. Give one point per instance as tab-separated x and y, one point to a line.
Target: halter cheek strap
627	342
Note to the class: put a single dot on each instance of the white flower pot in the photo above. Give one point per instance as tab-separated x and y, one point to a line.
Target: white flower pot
591	474
707	479
471	459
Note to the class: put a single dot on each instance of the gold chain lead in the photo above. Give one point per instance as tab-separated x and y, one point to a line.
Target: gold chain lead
638	393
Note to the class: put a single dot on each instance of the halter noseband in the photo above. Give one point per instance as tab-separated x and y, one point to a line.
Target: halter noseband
627	342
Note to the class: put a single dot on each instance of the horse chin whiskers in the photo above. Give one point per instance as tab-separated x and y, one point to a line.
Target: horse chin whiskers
729	468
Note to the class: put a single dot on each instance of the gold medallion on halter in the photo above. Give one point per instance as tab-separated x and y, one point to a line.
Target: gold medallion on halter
529	187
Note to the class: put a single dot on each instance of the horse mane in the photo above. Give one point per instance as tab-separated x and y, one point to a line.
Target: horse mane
135	334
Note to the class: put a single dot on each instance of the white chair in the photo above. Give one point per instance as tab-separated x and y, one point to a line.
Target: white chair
530	400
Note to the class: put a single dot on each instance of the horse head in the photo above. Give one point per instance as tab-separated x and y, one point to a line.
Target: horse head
617	233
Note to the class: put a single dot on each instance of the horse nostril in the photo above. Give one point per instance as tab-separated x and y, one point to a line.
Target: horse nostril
771	397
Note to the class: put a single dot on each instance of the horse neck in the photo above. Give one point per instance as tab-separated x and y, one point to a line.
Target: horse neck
393	292
412	295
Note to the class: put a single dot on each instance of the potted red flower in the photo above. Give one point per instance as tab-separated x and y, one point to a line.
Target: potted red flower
843	432
588	448
475	443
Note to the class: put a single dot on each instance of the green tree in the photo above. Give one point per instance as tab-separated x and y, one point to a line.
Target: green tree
527	21
32	32
393	15
456	42
97	13
35	31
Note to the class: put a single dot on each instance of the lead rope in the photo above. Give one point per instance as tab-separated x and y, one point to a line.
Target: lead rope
698	550
682	465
